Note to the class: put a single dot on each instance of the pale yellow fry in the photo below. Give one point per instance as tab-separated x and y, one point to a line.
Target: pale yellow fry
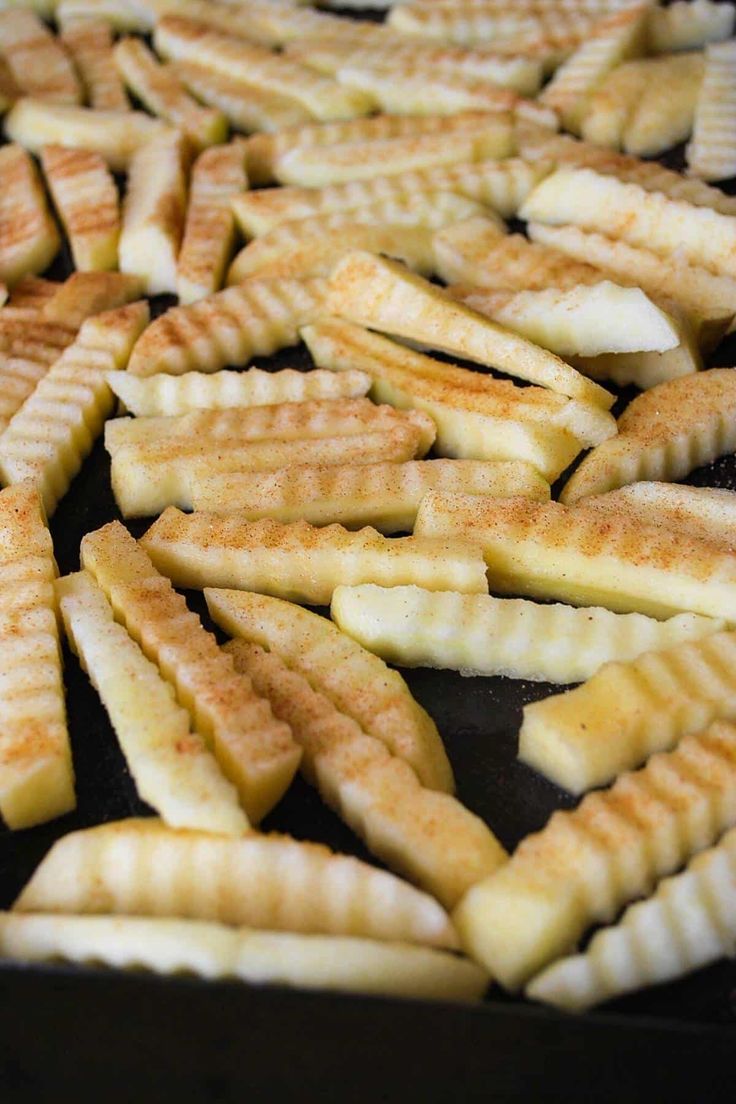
480	635
29	240
474	25
708	512
587	863
37	60
358	683
266	881
246	106
89	42
663	434
84	294
120	15
664	113
548	550
86	197
689	24
383	294
36	773
612	104
711	153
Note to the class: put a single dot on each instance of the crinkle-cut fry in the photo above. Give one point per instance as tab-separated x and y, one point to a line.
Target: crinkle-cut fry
254	751
187	40
327	55
628	711
612	40
256	318
166	946
85	294
609	108
476	25
263	151
36	773
419	89
647	370
538	143
29	240
86	198
32	292
652	220
318	165
401	228
19	376
477	417
289	421
246	106
688	26
385	495
708	300
209	231
161	91
480	635
500	185
120	15
28	347
688	922
23	329
384	295
663	434
300	562
547	550
89	42
147	478
587	863
708	512
663	115
579	321
425	835
115	135
165	395
279	24
711	153
265	881
154	212
37	60
357	683
52	432
171	766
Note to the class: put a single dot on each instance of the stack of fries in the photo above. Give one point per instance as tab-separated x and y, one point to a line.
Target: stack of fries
293	176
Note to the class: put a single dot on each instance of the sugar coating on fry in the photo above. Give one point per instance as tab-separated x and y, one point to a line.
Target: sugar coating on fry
85	195
29	239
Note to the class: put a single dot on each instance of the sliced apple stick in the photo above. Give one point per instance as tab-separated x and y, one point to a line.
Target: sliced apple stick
115	135
384	495
648	370
279	24
32	292
84	294
615	38
480	635
271	882
501	185
25	359
316	165
52	432
426	835
401	228
209	230
711	153
663	434
171	766
146	478
609	108
473	25
708	512
36	774
89	42
646	945
37	60
29	240
358	683
663	115
85	195
254	751
707	299
162	93
301	562
265	150
687	26
121	15
295	421
254	319
477	417
210	950
165	395
581	321
187	40
547	550
652	220
246	106
154	211
382	294
587	863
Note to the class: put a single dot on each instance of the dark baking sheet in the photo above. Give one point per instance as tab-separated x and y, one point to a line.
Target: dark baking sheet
65	1030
